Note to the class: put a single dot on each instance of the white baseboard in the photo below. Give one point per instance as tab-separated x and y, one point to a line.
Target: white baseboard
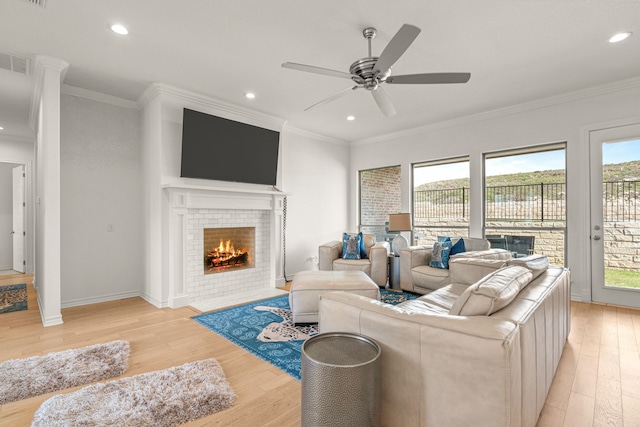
48	321
156	303
99	299
178	302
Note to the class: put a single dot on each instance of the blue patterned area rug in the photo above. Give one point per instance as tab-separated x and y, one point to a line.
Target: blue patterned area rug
265	329
13	298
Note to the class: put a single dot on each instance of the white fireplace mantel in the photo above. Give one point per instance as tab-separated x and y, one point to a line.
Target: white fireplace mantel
182	197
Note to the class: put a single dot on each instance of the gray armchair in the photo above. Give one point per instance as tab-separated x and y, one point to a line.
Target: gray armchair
376	267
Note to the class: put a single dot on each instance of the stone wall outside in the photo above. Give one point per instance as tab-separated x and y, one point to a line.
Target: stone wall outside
621	239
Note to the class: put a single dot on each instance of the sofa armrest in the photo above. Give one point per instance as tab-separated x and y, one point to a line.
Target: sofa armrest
379	257
411	257
327	253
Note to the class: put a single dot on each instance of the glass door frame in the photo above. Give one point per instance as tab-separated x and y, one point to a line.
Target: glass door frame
599	291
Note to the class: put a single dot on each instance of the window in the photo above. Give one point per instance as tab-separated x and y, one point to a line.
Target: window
380	195
525	201
440	199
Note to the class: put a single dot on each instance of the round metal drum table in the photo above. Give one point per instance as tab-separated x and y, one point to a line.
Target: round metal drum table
340	381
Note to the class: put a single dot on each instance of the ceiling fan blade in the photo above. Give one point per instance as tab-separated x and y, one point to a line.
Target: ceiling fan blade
429	78
332	98
396	47
384	102
316	70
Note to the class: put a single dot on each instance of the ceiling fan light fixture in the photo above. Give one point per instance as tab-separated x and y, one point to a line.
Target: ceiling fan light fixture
119	29
620	36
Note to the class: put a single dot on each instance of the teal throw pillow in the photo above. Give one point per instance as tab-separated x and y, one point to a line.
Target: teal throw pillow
363	250
440	255
351	246
458	248
444	239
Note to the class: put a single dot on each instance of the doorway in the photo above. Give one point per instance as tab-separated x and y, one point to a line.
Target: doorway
615	215
12	218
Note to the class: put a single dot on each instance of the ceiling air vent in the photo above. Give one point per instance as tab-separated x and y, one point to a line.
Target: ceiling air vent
41	3
14	63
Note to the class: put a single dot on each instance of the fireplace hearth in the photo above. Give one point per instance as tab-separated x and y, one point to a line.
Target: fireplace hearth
228	249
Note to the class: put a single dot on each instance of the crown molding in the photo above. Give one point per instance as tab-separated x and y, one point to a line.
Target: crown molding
97	96
317	136
205	102
41	63
564	98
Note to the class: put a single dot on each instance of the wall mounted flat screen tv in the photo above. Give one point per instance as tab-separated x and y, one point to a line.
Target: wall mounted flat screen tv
225	150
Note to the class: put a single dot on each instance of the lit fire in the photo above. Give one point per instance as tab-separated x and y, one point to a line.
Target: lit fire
226	254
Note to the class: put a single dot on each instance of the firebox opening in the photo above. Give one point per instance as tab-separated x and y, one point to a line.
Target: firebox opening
228	249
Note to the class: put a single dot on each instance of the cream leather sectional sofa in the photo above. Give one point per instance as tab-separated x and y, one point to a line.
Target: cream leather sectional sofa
481	351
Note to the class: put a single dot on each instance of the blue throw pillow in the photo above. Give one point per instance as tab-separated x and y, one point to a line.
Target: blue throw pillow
458	248
363	250
444	239
440	255
351	246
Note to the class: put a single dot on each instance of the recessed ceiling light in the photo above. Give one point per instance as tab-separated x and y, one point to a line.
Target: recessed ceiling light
1	128
351	118
119	29
250	95
619	37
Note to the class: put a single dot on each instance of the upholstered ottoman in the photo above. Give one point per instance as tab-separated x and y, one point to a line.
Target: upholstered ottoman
307	286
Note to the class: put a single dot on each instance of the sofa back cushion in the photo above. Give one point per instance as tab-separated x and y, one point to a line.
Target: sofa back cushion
467	271
537	264
492	293
475	244
486	254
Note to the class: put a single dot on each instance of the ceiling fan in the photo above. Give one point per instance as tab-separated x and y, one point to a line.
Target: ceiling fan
372	71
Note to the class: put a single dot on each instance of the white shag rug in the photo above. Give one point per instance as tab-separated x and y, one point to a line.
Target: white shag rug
33	376
161	398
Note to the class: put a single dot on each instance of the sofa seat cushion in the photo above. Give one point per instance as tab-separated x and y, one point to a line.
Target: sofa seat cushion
352	265
493	292
444	297
424	276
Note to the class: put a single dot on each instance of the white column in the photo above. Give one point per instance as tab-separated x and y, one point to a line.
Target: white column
277	215
45	117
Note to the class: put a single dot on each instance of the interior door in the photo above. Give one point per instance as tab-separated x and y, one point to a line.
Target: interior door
18	232
615	215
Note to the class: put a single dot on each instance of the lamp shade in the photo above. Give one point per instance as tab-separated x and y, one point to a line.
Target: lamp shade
400	222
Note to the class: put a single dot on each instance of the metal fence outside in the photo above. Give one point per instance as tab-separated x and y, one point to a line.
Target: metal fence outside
531	202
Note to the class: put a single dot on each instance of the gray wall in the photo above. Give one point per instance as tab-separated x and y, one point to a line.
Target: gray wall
101	202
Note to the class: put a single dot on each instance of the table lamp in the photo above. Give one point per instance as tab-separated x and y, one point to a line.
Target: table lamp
399	222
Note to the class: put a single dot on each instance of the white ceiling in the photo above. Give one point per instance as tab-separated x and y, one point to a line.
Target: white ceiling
516	51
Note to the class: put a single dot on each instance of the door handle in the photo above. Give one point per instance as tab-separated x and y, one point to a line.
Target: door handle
596	237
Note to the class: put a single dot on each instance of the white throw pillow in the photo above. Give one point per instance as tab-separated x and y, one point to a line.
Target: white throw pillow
492	293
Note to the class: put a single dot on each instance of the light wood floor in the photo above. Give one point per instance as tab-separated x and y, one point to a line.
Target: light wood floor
597	383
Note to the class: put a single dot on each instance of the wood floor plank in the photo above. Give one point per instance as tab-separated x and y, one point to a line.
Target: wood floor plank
630	411
608	407
579	411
